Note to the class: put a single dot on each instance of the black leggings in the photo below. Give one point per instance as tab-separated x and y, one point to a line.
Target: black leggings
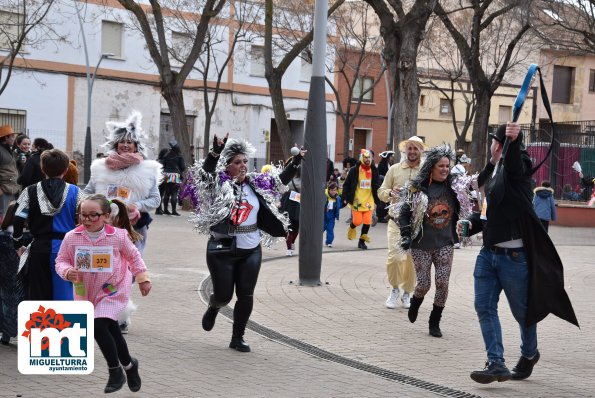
171	195
111	342
239	269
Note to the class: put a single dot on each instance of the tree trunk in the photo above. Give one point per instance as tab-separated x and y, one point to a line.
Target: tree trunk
207	133
346	138
280	115
479	136
174	97
407	93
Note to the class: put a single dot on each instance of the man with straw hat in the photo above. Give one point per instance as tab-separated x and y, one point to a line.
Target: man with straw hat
8	169
399	265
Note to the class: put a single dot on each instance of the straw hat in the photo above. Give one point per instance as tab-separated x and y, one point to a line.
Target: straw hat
6	130
413	140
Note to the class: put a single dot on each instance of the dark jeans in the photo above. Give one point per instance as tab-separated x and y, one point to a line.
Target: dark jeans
111	342
545	224
240	270
495	272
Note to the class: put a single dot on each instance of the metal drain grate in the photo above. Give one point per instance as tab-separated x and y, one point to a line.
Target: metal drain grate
206	289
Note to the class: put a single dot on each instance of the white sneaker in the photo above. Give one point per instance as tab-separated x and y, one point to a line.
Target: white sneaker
289	253
391	301
329	245
457	245
406	299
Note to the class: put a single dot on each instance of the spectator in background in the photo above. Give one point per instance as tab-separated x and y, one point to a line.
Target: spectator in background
22	151
8	169
544	203
569	194
161	187
173	168
330	166
386	160
32	173
349	161
72	173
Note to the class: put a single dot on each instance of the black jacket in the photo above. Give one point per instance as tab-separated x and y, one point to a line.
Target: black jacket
31	173
173	163
350	184
265	219
513	214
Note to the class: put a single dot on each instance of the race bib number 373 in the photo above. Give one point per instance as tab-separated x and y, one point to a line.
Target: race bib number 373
94	258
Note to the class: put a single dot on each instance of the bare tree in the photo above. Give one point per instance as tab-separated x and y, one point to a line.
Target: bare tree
153	23
22	24
402	33
358	63
567	24
292	42
219	47
499	25
445	72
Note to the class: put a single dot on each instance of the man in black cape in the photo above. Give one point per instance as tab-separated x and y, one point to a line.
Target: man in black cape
517	256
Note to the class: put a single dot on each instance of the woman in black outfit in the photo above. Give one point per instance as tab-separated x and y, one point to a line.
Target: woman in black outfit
31	172
173	168
238	210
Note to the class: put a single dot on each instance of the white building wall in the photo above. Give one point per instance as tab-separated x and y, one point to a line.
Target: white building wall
45	95
114	100
45	98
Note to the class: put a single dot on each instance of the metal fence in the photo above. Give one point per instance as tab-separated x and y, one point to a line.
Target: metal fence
575	142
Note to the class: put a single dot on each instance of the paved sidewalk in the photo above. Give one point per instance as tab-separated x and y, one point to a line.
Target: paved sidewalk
343	321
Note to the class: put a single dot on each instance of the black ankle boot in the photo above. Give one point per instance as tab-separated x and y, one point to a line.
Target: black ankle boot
434	321
173	210
361	244
158	211
208	319
414	309
239	344
165	211
133	377
115	381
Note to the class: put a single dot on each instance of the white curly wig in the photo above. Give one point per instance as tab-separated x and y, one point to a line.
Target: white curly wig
129	130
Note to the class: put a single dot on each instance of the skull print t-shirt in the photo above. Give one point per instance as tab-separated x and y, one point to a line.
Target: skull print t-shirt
438	219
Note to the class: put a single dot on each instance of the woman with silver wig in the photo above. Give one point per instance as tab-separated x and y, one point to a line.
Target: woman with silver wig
428	210
238	210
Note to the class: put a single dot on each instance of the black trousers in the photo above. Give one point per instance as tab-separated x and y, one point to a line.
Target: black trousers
171	195
237	270
111	342
38	281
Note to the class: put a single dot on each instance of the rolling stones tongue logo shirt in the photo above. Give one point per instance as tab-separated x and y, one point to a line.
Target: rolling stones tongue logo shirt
438	220
245	214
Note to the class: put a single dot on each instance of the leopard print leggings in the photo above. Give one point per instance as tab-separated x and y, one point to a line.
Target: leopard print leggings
442	259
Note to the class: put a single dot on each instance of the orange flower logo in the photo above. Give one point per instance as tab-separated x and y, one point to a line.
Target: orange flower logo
43	319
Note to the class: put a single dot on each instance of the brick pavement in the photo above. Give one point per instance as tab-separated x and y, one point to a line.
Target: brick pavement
346	316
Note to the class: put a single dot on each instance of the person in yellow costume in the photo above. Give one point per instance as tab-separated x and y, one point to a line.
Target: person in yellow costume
399	265
360	192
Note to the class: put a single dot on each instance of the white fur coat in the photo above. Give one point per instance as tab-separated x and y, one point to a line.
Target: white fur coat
142	179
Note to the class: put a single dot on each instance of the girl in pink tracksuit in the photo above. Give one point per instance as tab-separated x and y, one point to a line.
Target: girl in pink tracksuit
100	260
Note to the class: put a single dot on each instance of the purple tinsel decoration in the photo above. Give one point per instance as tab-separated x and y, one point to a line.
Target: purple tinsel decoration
265	182
188	190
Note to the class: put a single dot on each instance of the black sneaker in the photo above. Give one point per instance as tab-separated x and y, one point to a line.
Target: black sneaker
492	372
524	367
362	245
